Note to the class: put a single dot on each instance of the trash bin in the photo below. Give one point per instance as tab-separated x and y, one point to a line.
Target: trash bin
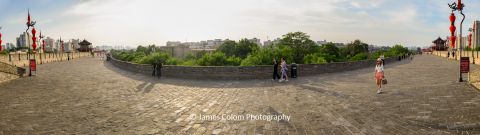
294	70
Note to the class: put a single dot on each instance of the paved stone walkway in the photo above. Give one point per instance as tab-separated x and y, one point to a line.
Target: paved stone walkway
88	96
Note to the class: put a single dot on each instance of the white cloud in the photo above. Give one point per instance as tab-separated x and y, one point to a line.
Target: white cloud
128	22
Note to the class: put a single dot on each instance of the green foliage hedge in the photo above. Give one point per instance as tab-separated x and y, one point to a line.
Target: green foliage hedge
295	47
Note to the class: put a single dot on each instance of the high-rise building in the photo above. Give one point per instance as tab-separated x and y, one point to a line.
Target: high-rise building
256	41
9	46
49	44
476	34
58	46
24	40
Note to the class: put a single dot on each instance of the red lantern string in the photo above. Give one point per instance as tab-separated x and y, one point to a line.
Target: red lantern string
453	39
452	30
34	39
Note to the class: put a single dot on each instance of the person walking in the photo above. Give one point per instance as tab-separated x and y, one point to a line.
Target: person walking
448	54
275	70
379	75
284	71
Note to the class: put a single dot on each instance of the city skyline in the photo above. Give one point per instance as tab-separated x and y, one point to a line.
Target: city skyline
144	22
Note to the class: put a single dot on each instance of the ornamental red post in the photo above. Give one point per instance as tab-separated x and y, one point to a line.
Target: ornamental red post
28	18
458	7
62	46
43	46
470	40
0	41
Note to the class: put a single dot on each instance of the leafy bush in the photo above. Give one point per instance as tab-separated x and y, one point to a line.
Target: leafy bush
155	57
218	59
360	56
314	59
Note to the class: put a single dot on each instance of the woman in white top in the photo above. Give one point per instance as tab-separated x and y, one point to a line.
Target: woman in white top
284	71
379	75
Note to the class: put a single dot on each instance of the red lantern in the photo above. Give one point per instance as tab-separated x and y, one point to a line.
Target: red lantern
453	39
34	39
28	19
452	18
452	29
460	5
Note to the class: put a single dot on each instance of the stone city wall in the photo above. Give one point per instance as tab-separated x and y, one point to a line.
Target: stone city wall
243	72
21	59
9	72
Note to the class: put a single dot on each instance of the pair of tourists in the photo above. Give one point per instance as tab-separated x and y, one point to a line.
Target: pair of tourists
283	70
379	75
157	69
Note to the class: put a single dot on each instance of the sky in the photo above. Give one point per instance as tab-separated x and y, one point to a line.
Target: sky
144	22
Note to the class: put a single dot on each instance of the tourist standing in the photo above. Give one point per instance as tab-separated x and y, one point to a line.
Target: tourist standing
284	71
154	66
379	75
448	54
275	70
159	69
383	59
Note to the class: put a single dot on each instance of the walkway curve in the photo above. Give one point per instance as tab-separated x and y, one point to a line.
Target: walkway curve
89	96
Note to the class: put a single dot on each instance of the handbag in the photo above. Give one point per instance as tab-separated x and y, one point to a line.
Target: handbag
384	81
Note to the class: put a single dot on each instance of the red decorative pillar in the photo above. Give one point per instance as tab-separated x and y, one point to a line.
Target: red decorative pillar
43	46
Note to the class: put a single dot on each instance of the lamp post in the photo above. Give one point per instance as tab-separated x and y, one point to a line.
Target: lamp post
43	46
458	7
470	44
63	50
0	40
29	24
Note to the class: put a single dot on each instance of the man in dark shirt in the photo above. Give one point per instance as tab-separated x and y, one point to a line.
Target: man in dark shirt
275	70
154	66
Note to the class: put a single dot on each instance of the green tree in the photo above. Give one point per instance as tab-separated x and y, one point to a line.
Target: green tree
245	47
218	59
399	50
330	49
355	48
359	56
300	43
330	53
228	47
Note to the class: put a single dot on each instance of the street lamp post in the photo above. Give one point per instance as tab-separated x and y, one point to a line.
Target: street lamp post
470	44
1	40
43	46
458	7
29	24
